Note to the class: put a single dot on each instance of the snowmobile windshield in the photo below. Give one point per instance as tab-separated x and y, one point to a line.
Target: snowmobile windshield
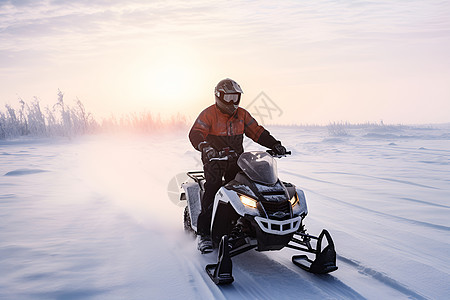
259	166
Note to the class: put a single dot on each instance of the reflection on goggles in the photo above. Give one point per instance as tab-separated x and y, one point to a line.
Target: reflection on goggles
232	98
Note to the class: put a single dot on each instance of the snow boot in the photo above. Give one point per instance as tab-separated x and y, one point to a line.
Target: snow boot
204	244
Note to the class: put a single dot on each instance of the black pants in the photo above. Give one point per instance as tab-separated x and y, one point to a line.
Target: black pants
215	173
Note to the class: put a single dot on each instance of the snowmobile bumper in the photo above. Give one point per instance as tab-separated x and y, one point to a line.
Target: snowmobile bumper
325	261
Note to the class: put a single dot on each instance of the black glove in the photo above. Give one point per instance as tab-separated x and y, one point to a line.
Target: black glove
279	149
208	152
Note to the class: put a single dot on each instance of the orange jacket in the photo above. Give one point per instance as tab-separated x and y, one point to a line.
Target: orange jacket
221	130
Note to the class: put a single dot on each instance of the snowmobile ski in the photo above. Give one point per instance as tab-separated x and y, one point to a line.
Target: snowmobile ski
325	261
221	273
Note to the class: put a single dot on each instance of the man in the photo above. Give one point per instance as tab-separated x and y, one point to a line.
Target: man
220	127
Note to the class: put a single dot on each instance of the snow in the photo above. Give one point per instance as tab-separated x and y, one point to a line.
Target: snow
90	218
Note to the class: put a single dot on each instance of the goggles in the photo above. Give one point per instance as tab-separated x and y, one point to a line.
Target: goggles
232	98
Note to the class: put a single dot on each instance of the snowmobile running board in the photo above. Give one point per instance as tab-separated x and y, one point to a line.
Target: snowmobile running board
325	261
221	273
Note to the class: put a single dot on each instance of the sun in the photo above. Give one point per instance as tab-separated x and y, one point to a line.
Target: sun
166	81
170	81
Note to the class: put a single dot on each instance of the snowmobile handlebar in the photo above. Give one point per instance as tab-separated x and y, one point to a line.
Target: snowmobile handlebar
227	154
273	154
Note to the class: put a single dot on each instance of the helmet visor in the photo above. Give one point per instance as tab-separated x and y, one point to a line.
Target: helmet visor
232	98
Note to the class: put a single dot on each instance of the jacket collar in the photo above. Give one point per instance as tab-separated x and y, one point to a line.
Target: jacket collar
225	114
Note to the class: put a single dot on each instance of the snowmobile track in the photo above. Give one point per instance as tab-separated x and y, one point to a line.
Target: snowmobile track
374	212
381	277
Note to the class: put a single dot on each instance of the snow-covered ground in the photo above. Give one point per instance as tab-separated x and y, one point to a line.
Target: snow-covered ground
90	218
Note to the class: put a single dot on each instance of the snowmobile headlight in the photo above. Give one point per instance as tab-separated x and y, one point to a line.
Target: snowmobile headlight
294	200
247	201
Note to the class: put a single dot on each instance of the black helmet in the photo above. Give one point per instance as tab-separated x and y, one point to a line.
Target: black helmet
228	95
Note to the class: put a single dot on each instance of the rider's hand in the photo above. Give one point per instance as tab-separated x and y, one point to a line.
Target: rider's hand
208	152
279	149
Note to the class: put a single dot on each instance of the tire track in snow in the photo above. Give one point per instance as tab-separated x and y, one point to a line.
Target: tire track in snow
338	285
411	221
368	176
361	175
424	202
380	277
382	178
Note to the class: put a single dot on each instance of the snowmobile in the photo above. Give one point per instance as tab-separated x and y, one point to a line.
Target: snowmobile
258	211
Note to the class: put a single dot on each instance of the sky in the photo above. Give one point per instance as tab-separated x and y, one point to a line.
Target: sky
298	62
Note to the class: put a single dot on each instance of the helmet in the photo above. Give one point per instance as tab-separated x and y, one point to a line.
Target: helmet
228	95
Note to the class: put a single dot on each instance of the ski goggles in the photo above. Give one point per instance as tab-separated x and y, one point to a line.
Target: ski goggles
232	98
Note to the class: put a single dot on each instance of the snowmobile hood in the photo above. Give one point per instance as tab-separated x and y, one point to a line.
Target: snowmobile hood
259	166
